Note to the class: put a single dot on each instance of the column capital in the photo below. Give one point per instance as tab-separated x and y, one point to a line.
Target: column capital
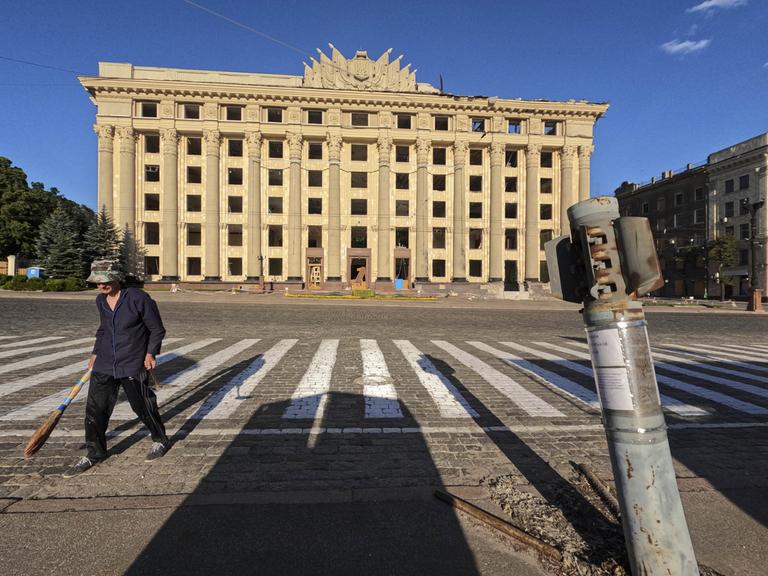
253	139
423	147
585	151
460	148
569	153
498	149
127	138
294	145
212	141
532	154
385	147
106	133
169	138
334	147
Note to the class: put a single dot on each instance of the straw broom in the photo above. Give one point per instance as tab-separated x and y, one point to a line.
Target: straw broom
45	429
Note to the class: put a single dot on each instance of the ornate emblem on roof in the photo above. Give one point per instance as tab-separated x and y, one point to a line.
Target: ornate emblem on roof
359	73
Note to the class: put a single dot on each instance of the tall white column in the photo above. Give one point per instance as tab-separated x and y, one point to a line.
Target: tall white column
254	267
532	158
212	266
125	210
334	208
169	217
495	210
584	154
383	256
568	194
106	168
459	212
423	148
294	208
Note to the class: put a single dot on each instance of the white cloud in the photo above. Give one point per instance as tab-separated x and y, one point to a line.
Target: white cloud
714	4
693	29
676	47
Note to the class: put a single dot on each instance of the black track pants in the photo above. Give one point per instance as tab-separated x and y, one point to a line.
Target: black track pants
102	395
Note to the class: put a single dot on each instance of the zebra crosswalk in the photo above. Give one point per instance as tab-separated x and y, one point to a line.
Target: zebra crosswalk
399	382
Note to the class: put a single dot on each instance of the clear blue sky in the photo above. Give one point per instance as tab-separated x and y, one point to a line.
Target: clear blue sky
681	83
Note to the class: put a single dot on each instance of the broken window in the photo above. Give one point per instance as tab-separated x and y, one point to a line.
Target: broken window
194	234
234	176
191	111
476	268
475	238
315	151
235	235
438	209
513	126
404	121
744	182
476	156
358	207
314	205
234	113
194	203
401	181
510	210
438	238
194	146
678	198
193	266
475	209
729	209
544	237
359	179
152	202
545	212
551	127
546	186
275	149
314	116
359	152
275	235
510	238
151	143
401	237
315	178
546	159
475	183
441	123
359	118
151	173
401	207
438	182
274	114
235	266
275	176
151	233
402	153
510	184
194	174
359	237
438	268
478	124
314	236
152	265
235	204
148	109
234	147
275	205
439	156
728	186
275	267
510	158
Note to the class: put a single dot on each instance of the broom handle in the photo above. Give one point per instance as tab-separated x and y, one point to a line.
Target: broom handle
74	392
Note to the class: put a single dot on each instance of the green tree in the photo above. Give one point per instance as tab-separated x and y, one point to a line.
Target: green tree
723	253
131	256
58	245
101	241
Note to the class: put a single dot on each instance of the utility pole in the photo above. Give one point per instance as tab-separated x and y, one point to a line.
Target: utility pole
606	264
755	303
261	273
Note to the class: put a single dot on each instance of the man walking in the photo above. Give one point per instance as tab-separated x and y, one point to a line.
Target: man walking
127	344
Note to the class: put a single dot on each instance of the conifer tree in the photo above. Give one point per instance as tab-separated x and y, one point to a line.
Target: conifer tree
131	256
58	248
101	241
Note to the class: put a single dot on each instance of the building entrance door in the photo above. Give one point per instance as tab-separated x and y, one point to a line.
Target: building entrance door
314	272
510	276
358	273
403	270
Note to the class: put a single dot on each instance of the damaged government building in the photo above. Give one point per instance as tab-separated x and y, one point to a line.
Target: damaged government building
353	171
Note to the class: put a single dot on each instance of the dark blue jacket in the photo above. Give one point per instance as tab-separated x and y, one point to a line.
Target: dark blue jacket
126	335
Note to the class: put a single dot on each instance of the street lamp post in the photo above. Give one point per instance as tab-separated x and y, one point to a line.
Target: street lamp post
261	272
755	293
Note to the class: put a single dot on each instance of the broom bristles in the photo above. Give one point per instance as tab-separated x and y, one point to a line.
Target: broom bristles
42	433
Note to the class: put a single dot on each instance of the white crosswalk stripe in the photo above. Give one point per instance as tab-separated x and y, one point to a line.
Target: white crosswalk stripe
713	396
189	376
45	358
671	404
449	401
7	337
309	398
717	355
547	377
20	351
759	348
43	406
378	389
529	402
225	401
28	342
679	359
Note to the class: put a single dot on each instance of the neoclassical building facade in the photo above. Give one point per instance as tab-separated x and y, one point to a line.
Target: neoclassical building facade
353	171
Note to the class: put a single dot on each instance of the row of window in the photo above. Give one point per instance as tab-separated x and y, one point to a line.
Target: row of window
276	115
358	236
358	152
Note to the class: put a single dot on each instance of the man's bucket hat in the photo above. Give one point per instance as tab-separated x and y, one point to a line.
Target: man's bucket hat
105	271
